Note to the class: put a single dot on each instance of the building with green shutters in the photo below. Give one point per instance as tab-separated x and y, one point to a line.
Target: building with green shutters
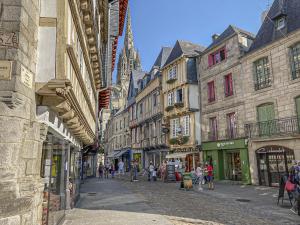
229	159
271	85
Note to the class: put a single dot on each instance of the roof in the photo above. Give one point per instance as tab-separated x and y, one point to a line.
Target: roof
162	57
268	33
230	30
137	75
183	48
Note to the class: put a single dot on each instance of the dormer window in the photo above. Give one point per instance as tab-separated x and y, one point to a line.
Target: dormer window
280	23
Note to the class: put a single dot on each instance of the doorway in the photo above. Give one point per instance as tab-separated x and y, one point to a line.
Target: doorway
273	162
234	169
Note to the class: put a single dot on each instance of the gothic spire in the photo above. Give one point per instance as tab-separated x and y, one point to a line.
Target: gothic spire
128	41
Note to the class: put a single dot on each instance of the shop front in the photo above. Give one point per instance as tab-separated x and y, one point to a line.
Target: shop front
138	156
273	162
229	158
188	158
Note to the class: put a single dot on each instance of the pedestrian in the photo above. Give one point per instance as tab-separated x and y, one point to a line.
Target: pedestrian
121	167
106	170
200	176
154	174
150	169
100	170
163	171
210	178
135	170
112	170
293	186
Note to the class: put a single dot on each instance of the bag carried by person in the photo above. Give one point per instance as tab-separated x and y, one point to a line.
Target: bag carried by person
289	186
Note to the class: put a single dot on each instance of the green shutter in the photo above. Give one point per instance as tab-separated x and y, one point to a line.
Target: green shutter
266	116
298	106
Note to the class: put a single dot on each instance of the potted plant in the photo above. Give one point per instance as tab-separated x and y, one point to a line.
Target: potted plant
169	108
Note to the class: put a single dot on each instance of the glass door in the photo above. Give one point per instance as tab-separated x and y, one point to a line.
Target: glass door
234	170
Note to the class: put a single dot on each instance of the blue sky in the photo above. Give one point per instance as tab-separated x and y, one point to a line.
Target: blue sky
158	23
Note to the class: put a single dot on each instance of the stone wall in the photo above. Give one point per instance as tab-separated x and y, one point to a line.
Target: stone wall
21	135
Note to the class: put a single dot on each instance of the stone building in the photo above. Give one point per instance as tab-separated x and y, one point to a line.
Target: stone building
223	105
149	104
52	68
136	152
181	103
270	81
118	139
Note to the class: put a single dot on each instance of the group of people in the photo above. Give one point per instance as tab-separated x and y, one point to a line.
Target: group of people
109	169
204	174
293	186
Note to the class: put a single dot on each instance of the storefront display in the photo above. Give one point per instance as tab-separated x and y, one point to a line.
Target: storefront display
273	162
229	158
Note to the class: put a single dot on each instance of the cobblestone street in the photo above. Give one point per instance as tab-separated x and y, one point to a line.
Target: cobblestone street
110	202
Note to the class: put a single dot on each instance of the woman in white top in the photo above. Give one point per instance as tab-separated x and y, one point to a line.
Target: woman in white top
200	176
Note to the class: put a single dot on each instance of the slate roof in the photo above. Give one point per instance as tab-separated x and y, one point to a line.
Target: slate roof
136	76
230	30
162	57
183	48
268	33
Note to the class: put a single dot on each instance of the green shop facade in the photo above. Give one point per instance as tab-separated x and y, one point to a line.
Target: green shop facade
229	158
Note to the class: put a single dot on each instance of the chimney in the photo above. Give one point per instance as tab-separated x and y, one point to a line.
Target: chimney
215	37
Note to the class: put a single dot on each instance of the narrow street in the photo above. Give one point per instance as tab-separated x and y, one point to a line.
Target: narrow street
121	202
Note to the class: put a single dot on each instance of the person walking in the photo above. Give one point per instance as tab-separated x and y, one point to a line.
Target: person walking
163	169
100	170
210	178
106	170
200	176
112	170
151	169
121	168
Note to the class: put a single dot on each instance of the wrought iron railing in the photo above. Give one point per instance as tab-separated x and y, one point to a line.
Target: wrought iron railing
277	127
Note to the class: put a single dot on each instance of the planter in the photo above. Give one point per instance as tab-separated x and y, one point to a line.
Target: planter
184	140
173	141
169	108
170	81
179	105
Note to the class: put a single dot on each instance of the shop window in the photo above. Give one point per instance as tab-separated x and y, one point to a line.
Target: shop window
228	87
211	91
295	61
262	78
217	57
213	134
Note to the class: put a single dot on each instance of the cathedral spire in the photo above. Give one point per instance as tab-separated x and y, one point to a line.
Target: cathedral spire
128	41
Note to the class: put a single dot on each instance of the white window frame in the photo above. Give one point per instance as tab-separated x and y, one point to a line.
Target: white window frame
174	125
186	125
172	72
170	98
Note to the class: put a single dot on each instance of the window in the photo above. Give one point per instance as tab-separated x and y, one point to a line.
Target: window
174	127
186	125
170	98
217	57
280	23
295	61
244	41
228	85
231	125
213	134
172	73
179	96
211	91
120	124
124	125
154	99
262	74
141	108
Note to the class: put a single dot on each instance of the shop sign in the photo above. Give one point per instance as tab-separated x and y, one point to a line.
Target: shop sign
8	40
26	77
5	69
225	144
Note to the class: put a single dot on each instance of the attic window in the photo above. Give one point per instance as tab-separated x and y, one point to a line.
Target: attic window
280	23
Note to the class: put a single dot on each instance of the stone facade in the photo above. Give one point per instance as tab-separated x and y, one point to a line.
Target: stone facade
282	94
21	135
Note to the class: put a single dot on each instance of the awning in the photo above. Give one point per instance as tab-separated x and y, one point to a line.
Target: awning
119	154
178	155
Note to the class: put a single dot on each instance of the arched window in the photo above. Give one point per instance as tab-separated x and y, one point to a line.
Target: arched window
295	60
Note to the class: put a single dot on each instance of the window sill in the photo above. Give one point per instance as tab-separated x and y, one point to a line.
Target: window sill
263	90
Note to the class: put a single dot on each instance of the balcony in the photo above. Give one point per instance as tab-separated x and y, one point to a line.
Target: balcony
271	128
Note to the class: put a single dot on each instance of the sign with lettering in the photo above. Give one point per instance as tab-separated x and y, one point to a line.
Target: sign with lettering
223	144
26	77
5	70
171	173
8	39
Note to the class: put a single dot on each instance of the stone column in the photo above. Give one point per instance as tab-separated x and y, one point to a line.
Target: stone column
21	136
